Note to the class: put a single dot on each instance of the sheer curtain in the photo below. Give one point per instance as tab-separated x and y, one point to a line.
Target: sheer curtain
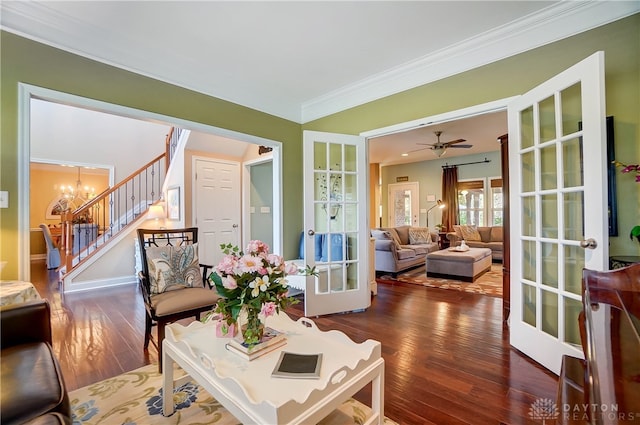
450	197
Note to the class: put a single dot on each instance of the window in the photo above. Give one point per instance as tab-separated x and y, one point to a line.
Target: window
472	207
496	210
471	202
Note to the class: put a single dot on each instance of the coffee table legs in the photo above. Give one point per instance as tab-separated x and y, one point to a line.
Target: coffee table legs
167	383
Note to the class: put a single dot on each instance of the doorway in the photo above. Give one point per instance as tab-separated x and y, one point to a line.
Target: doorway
28	92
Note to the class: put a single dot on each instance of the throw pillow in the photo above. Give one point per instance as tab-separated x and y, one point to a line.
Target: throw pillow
173	267
470	233
419	235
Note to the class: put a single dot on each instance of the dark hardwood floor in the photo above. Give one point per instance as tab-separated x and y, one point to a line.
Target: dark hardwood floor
447	354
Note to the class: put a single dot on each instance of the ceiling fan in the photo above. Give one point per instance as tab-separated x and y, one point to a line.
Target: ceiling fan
439	148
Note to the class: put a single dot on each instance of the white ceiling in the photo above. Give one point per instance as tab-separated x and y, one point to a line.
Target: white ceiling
302	60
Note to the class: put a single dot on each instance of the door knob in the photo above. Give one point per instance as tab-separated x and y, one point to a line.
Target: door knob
234	226
311	232
589	243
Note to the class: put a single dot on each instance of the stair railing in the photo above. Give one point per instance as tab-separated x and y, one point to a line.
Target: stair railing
85	230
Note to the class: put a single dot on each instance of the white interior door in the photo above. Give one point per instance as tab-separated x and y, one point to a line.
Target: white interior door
218	207
558	174
335	223
404	203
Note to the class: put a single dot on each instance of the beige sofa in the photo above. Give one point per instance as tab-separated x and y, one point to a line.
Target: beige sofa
489	237
394	251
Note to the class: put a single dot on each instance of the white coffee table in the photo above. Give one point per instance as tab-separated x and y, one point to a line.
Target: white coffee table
246	388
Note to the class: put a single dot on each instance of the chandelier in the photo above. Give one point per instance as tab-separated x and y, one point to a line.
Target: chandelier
73	197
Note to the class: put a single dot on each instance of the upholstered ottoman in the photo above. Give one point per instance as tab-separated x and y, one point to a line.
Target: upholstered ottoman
467	265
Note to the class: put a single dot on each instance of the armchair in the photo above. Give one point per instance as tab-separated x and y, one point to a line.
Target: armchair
172	285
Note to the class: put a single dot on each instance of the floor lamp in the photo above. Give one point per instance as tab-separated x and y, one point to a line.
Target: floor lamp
438	204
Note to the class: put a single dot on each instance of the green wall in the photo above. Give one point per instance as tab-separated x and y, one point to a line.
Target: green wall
428	174
26	61
513	76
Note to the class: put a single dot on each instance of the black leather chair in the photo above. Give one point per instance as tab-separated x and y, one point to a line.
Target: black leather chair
174	302
33	390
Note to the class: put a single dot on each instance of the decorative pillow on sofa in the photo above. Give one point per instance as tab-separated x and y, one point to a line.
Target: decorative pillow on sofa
385	234
419	235
470	233
173	267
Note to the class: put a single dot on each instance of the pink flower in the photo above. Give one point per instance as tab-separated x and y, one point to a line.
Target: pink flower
291	268
229	282
227	265
268	309
275	259
249	264
257	247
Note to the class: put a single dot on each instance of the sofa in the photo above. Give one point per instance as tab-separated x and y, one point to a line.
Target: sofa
400	248
479	237
33	390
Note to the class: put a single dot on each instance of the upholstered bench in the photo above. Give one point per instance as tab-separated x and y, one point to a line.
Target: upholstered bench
467	265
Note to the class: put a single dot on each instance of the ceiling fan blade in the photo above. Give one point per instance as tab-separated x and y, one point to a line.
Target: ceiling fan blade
416	150
426	144
461	146
455	141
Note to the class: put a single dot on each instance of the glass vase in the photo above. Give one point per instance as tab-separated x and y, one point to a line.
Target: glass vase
253	329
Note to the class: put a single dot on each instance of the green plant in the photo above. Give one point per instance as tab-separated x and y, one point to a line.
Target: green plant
635	233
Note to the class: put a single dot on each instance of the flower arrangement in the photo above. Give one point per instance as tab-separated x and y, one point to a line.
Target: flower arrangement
631	168
253	281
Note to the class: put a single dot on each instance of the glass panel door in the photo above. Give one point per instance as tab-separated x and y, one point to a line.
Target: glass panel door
335	223
559	133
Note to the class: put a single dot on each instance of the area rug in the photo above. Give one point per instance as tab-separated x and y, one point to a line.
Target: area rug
135	398
489	283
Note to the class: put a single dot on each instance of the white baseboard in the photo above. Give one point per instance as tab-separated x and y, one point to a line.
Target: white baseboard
75	286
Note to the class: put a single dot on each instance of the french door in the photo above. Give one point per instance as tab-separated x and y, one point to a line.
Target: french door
335	223
558	177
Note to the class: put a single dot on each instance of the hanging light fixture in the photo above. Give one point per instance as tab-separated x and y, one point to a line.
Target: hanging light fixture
439	150
74	197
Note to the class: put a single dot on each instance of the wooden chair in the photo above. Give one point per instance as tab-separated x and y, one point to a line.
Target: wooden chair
171	282
600	284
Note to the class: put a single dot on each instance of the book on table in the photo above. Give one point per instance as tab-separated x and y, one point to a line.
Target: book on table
271	339
293	365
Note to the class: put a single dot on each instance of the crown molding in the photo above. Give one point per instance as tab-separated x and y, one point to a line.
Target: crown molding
551	24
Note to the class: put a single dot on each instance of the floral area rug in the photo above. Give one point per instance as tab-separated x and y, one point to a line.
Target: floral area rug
135	398
489	283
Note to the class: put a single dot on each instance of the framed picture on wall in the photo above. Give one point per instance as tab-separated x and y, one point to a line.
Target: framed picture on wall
173	203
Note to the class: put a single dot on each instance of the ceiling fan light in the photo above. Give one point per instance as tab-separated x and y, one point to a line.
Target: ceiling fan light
439	151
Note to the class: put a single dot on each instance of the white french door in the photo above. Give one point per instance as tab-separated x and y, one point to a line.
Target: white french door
335	223
404	201
558	207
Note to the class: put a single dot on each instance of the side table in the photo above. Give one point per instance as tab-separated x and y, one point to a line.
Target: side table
620	261
443	242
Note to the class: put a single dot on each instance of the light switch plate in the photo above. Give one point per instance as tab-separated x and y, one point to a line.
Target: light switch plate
265	210
4	199
252	210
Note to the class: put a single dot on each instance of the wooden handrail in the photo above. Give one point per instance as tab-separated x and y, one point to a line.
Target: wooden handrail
104	203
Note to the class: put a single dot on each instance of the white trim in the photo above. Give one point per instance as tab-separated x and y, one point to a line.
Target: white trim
556	22
28	91
471	111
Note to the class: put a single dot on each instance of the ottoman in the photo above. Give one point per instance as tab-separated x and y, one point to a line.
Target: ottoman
467	265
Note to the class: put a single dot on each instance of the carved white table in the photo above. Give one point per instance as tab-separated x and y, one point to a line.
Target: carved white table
248	391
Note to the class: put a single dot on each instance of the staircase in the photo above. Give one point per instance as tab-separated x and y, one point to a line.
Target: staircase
90	228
